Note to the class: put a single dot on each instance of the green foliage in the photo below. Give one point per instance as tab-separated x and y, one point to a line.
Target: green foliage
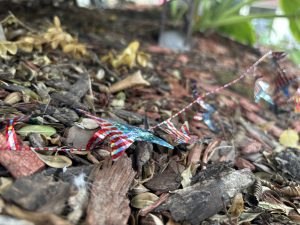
223	16
294	55
292	7
243	32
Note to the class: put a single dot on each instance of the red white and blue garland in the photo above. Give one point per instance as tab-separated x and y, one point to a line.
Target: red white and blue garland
122	136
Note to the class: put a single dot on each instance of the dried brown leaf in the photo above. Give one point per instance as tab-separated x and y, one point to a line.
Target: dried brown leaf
143	200
237	206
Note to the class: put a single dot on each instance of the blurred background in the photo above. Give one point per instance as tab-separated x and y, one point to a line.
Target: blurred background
270	23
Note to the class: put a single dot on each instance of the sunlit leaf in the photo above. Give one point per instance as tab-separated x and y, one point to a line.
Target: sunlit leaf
292	7
142	59
11	48
56	22
40	129
28	43
157	221
289	138
26	47
7	47
127	57
186	176
57	37
68	48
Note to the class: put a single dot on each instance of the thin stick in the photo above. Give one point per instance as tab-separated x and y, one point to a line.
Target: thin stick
190	15
163	18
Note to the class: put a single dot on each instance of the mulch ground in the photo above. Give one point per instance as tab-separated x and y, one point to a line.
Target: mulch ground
243	172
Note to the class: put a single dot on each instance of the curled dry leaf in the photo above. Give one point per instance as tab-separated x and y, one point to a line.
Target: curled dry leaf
293	191
127	57
28	43
142	59
13	98
157	221
237	206
186	176
289	138
7	47
139	189
143	200
55	161
133	80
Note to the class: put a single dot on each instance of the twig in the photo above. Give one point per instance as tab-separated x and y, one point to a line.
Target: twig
163	18
148	209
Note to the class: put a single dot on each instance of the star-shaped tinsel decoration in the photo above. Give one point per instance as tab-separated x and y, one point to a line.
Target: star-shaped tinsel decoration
120	136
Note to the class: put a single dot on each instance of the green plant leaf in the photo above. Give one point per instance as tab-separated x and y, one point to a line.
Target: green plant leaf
224	5
294	55
40	129
242	32
232	20
292	7
236	8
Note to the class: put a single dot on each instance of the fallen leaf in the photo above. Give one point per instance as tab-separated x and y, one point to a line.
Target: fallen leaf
289	138
128	57
143	200
7	47
186	177
275	207
237	206
13	98
55	161
40	129
142	59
